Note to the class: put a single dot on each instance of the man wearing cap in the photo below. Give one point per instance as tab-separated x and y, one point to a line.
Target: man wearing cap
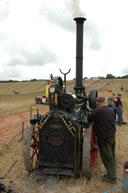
104	120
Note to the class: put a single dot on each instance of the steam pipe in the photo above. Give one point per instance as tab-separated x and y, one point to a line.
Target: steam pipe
79	88
64	79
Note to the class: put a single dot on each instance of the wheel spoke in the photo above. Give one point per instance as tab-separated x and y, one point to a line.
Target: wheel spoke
34	152
34	158
35	140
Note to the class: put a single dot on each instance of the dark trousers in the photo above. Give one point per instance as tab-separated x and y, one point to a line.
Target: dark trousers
107	153
119	113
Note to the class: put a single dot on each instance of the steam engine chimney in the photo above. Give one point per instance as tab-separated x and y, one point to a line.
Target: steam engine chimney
79	88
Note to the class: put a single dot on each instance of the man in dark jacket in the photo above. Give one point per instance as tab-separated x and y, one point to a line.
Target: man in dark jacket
104	120
118	108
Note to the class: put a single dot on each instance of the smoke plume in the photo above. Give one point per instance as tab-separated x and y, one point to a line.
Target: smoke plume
74	8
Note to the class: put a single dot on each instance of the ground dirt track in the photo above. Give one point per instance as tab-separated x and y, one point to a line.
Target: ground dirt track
19	181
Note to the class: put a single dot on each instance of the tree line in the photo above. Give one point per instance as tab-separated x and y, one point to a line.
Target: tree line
108	76
31	80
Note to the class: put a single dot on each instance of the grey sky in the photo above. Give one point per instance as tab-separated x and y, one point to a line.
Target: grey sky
38	37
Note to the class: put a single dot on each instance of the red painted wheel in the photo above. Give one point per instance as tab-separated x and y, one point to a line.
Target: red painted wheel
31	147
94	149
90	150
36	101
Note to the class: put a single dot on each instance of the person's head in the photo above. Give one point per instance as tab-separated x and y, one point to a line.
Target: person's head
113	95
119	96
100	101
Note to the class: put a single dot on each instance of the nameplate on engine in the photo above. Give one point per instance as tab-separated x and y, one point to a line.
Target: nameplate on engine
56	115
56	139
55	126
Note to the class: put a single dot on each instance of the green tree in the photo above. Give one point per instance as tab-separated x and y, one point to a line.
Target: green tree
110	76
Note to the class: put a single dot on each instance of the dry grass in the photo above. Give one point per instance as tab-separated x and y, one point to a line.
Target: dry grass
23	182
22	87
12	103
17	103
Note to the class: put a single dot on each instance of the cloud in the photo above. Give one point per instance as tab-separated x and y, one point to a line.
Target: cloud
58	16
64	20
26	57
124	70
14	51
4	9
9	72
92	36
40	35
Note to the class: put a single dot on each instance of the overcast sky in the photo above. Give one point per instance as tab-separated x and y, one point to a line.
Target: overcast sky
38	37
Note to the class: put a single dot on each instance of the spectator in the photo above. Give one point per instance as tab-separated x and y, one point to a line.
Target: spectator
118	108
104	120
111	100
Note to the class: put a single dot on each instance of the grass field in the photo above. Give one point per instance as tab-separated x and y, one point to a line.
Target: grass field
22	87
11	103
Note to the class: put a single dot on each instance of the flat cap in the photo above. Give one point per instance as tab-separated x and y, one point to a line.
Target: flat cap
119	94
100	99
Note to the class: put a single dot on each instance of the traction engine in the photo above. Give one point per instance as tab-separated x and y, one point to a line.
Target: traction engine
61	141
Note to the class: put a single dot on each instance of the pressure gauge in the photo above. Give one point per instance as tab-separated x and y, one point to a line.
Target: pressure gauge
52	89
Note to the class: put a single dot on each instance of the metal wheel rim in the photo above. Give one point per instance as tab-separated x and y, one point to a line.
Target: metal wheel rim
89	156
31	147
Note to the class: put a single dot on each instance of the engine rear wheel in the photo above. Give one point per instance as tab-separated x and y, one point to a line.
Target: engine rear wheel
90	150
31	147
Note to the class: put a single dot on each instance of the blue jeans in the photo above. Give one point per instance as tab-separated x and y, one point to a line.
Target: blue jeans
119	114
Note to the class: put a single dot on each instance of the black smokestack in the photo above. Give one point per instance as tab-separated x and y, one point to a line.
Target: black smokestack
79	88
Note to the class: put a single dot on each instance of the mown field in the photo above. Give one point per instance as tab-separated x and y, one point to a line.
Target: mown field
18	178
10	102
